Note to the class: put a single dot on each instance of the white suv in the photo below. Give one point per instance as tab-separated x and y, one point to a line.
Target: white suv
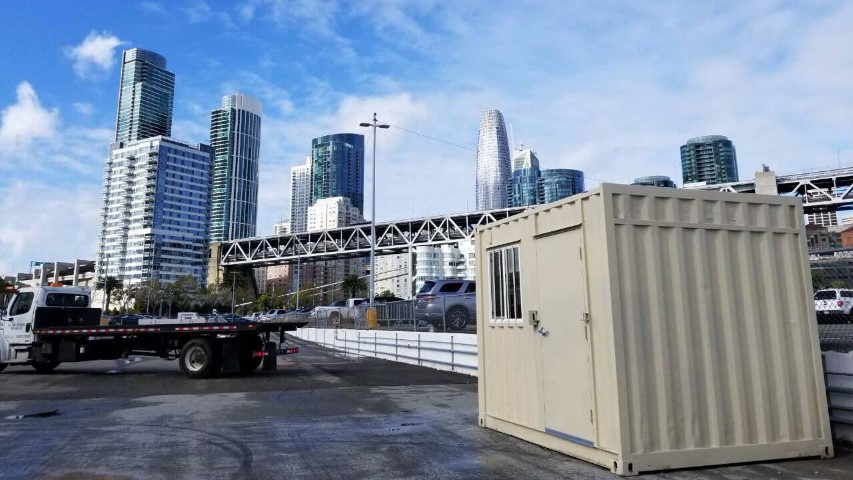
833	300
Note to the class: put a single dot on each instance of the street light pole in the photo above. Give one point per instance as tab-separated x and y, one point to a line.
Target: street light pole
375	124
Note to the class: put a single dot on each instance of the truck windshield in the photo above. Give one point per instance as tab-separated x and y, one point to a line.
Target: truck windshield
66	300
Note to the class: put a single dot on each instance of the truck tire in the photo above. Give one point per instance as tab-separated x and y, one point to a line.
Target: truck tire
248	362
457	318
44	367
199	359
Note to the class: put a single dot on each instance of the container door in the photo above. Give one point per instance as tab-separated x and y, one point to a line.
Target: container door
563	329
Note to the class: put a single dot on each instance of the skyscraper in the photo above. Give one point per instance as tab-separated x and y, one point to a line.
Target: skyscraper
235	135
558	183
524	188
145	96
300	196
493	163
338	168
710	159
524	158
655	181
154	220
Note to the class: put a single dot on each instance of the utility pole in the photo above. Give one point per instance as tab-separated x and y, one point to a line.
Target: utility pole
375	124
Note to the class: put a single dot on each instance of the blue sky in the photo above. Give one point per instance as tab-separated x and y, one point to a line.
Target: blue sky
611	88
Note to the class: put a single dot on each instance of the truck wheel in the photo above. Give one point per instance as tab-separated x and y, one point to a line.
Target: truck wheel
248	362
44	367
199	360
457	318
335	317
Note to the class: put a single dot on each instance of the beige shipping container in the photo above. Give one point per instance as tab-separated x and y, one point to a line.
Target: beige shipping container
645	328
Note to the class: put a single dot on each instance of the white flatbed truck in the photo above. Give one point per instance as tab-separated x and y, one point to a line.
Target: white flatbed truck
46	325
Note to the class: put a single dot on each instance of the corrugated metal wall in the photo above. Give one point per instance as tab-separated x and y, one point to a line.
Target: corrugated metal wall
715	320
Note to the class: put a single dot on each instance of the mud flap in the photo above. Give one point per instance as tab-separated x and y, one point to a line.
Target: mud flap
270	359
230	358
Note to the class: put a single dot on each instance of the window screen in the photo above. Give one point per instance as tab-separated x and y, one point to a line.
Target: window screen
505	286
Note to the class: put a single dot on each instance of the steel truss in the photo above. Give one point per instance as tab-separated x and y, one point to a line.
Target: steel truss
821	191
354	241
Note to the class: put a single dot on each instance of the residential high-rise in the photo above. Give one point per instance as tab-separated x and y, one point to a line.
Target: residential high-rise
824	219
445	262
393	274
282	228
338	168
155	215
300	196
235	135
493	162
524	188
326	213
145	96
655	181
559	183
524	158
710	159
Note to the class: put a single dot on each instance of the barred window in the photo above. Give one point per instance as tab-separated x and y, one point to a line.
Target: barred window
505	286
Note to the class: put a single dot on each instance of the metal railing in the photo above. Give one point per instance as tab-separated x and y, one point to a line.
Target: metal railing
447	313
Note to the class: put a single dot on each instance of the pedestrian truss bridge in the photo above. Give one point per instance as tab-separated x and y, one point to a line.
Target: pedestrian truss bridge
355	241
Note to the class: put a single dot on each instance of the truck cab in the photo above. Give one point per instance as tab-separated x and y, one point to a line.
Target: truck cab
47	306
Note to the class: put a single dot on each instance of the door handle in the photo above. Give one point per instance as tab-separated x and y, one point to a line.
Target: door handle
542	331
28	328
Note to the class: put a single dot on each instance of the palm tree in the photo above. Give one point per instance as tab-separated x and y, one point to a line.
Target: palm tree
353	284
108	284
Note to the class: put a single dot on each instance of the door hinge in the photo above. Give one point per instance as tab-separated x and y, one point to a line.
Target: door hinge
580	252
590	417
585	317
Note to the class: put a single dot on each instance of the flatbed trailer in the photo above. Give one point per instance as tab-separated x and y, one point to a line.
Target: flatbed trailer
39	332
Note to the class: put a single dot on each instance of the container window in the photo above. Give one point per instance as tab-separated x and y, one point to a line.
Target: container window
505	286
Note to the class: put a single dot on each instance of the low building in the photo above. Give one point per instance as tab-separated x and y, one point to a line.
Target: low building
819	237
847	237
655	181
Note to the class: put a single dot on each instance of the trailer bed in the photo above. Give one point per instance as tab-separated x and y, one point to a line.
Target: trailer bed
172	328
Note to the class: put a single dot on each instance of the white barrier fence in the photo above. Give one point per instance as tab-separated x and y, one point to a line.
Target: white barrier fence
455	352
839	386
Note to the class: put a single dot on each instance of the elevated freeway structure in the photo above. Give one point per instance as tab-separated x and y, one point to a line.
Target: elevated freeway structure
392	237
821	190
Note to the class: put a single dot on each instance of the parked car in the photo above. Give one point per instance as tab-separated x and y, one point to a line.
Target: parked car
256	316
838	301
342	313
275	314
447	303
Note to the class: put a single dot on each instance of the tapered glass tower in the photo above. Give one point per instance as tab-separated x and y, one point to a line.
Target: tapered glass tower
494	168
337	168
145	96
235	135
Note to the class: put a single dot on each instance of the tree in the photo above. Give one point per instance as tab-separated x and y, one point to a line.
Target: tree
353	285
385	294
108	284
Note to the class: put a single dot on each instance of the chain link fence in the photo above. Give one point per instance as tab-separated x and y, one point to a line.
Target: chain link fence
832	276
447	313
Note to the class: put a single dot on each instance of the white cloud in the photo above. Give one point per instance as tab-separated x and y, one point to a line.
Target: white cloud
25	121
199	11
95	56
152	8
83	108
39	223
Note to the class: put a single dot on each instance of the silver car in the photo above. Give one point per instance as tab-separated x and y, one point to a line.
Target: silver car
450	304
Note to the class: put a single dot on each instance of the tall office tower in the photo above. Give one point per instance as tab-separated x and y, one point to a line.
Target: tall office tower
655	181
338	168
282	228
710	159
524	188
155	215
145	96
235	135
559	183
524	158
493	163
300	196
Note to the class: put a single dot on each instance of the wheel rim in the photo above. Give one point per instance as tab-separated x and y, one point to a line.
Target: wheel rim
457	319
196	359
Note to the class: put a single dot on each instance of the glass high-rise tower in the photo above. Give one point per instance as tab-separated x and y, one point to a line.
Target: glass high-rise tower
337	168
494	168
235	135
145	96
710	159
559	183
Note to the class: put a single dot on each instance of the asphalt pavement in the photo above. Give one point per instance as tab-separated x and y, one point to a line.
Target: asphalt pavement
321	415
